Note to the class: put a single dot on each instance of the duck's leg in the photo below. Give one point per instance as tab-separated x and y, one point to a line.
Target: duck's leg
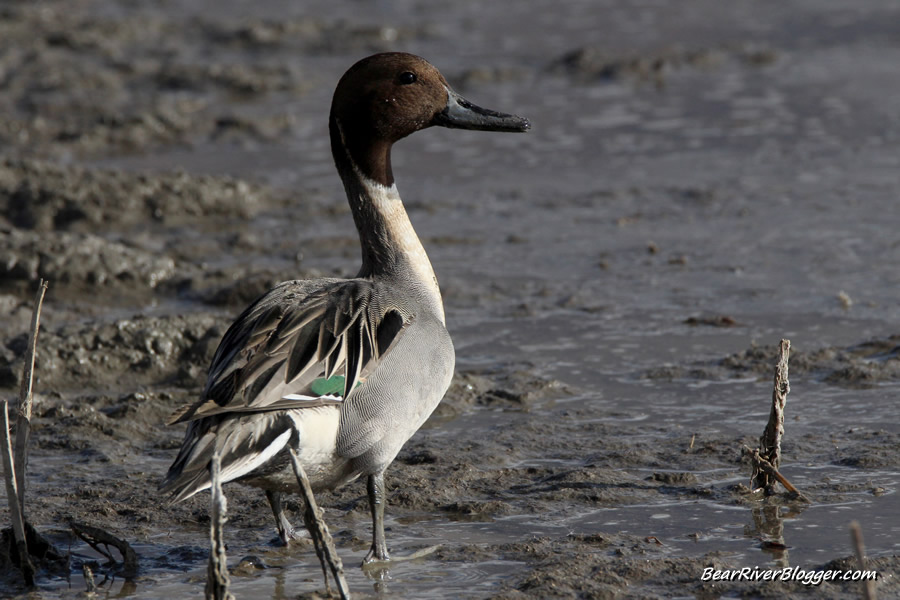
375	488
286	531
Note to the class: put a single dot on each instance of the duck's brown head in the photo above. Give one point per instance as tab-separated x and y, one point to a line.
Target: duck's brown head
386	97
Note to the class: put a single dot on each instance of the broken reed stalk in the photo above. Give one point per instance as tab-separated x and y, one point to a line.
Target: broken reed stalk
770	441
860	549
318	531
101	541
12	498
217	580
760	464
89	582
23	422
14	463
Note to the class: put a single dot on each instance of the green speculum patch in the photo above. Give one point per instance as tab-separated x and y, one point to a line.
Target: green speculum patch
333	386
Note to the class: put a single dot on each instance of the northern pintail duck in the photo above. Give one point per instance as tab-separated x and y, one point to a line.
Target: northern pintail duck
344	371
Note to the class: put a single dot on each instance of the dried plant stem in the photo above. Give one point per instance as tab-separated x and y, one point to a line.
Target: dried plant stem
101	541
14	463
770	441
324	545
12	498
760	464
89	582
217	579
860	549
23	422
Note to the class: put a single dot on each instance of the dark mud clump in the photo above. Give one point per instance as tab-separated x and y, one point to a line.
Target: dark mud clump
133	237
593	63
121	354
312	36
45	197
868	449
862	365
513	388
79	260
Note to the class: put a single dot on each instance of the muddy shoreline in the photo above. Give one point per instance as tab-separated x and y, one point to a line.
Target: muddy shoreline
701	182
148	365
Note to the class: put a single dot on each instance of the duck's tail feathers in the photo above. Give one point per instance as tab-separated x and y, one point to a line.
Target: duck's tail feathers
243	448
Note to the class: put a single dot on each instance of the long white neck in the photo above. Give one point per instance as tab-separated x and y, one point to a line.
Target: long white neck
390	247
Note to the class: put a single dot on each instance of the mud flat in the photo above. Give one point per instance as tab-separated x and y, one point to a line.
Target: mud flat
702	179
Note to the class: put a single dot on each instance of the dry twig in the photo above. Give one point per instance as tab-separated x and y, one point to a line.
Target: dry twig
324	545
860	549
23	422
770	441
217	579
101	541
14	463
760	464
89	579
12	497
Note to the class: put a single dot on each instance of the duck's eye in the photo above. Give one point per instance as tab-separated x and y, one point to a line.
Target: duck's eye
407	78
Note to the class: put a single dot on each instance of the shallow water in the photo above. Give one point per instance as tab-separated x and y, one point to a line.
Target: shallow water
754	175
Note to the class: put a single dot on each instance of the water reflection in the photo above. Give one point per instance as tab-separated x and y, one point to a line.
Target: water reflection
380	575
768	527
129	588
279	592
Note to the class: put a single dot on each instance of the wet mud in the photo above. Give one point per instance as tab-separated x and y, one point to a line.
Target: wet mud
615	284
863	365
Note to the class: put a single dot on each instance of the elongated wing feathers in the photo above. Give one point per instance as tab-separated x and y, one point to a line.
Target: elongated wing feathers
294	336
243	448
